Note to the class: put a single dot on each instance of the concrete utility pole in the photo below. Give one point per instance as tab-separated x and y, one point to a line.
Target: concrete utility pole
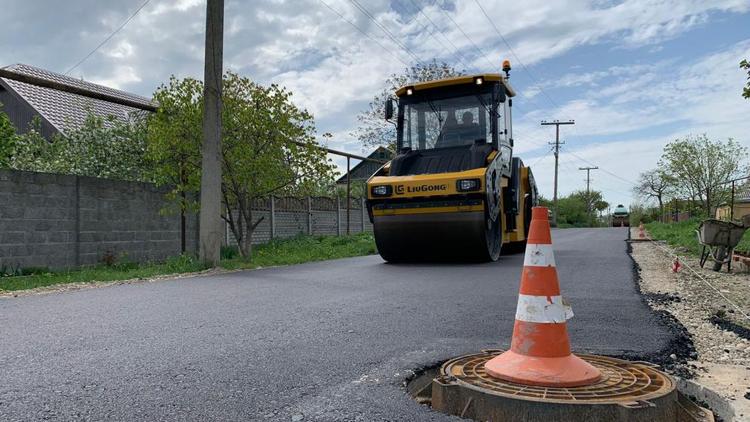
211	232
557	144
588	177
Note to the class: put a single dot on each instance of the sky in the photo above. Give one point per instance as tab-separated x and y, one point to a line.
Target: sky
633	74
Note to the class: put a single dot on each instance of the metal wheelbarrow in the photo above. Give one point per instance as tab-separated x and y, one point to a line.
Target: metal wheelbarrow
719	238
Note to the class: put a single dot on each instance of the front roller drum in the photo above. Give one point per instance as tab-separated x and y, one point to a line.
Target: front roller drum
445	237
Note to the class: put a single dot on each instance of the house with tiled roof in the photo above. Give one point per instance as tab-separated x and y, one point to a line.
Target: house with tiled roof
58	110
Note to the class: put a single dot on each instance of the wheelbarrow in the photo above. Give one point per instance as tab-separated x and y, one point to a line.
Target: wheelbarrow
719	238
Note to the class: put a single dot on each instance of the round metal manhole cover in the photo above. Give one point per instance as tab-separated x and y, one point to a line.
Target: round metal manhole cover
622	382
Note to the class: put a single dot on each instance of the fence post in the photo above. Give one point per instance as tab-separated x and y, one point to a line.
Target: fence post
272	217
338	215
309	216
362	212
731	207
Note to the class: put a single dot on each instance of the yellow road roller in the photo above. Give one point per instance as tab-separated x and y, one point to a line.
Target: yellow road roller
454	191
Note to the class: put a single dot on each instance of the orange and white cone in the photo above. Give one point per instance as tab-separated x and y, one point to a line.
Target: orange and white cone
540	349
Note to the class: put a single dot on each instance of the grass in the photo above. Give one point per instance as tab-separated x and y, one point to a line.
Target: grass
278	252
303	249
683	235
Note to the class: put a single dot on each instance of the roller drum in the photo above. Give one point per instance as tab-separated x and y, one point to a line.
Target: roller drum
443	237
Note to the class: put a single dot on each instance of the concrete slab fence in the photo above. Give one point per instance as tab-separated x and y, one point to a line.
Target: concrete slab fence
62	221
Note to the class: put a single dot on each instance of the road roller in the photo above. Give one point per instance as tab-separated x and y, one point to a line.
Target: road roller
620	216
453	191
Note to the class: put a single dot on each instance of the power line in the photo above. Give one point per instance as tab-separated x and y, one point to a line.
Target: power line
108	37
386	31
588	176
456	50
515	56
603	169
481	53
539	86
364	33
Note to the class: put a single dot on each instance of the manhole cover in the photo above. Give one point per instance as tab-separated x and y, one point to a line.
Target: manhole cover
627	391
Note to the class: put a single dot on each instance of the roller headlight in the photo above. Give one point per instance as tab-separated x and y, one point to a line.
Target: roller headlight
468	185
383	190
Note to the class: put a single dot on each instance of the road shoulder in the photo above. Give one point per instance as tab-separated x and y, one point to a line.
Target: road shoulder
721	358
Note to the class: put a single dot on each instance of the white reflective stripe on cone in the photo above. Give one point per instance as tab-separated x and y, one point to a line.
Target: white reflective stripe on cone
543	309
539	256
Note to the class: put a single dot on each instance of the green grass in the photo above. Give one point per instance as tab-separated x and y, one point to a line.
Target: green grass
683	235
304	249
278	252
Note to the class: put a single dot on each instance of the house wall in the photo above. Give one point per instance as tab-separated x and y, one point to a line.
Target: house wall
740	209
21	114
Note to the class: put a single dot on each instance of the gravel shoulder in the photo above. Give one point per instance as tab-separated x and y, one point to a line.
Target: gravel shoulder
721	356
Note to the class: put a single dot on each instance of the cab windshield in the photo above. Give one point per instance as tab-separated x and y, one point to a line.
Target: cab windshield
449	122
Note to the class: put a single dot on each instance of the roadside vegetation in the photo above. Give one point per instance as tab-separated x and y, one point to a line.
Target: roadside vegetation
682	235
296	250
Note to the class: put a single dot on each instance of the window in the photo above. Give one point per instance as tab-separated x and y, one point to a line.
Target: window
451	122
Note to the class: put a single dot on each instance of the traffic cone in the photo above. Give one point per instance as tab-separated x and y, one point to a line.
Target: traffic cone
540	350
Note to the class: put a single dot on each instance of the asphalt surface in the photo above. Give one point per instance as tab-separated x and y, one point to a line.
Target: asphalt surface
328	341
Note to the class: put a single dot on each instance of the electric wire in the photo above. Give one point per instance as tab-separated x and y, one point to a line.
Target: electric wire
515	56
363	32
386	31
108	37
481	53
456	50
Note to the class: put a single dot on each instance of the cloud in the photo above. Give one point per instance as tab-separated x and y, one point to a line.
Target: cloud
334	70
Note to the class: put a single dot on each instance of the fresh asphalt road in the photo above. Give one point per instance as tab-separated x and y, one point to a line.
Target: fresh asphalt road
328	341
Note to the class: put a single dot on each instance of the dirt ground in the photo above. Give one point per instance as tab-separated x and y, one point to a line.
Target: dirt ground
713	307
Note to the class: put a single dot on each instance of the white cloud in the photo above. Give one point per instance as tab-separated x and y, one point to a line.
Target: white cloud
120	77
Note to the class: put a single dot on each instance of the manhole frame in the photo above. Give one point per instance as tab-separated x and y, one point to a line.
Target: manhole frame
452	393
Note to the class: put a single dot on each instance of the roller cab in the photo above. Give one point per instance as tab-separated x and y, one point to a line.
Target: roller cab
454	191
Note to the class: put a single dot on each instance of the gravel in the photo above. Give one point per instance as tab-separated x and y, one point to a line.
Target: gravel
714	346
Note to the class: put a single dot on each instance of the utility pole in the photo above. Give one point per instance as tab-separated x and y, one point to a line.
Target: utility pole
588	177
589	203
557	144
211	232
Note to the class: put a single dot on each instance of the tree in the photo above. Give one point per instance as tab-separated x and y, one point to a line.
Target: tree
700	167
746	90
7	139
374	130
174	139
100	147
656	184
579	208
103	147
268	147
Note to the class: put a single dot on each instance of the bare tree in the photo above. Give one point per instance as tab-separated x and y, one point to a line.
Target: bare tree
655	184
373	130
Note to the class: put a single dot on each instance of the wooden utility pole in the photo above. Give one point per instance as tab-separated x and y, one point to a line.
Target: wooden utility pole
557	144
589	202
588	177
211	232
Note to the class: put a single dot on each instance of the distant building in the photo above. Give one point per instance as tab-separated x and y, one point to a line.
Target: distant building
364	169
58	111
741	204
